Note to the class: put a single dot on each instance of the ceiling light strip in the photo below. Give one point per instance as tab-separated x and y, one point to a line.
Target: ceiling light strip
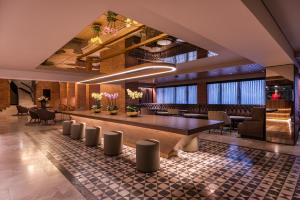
168	68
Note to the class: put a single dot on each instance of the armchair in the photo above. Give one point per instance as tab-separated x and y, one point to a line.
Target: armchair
254	127
34	115
220	116
22	110
46	115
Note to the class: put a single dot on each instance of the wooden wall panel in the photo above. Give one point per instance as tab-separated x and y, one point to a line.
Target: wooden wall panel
63	93
4	93
112	65
71	100
54	87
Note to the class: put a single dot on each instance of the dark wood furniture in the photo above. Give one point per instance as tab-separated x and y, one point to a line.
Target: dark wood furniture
254	127
174	133
22	110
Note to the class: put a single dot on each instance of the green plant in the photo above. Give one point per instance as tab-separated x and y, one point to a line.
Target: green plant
132	108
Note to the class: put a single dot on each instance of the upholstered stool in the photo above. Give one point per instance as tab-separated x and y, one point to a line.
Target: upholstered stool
82	134
147	155
113	142
76	131
67	127
92	136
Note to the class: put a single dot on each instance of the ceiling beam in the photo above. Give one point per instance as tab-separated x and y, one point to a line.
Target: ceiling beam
108	42
160	36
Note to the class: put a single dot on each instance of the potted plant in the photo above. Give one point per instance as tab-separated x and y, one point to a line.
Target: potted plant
97	106
133	110
112	107
43	100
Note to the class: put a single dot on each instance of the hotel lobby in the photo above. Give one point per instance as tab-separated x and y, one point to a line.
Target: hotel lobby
108	99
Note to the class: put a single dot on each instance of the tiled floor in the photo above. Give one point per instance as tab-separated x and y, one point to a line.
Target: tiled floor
218	170
37	162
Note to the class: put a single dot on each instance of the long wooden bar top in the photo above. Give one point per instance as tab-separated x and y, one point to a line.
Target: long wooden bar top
180	125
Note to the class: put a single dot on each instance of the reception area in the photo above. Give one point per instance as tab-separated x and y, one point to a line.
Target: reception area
169	100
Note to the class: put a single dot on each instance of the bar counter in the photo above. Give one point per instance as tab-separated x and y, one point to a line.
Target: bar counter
174	133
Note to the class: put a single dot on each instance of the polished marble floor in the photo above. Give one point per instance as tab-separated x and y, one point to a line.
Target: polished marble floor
25	172
37	162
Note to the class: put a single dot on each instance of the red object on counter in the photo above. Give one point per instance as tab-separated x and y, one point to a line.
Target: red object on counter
275	96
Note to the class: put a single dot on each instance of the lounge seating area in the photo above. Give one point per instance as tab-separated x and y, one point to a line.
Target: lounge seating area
231	115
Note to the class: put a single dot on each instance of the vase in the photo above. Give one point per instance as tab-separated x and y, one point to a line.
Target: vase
97	110
113	112
132	114
43	104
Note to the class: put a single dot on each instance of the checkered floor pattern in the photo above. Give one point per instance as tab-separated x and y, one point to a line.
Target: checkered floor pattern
216	171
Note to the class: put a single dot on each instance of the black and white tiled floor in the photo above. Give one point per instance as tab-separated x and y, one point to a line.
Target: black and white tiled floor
216	171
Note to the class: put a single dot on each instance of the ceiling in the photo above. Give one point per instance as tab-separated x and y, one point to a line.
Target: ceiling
84	51
227	71
241	32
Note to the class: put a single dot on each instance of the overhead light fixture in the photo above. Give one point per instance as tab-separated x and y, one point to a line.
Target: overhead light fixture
137	72
163	42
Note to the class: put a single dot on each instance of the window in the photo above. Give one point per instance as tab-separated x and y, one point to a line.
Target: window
253	92
192	94
239	92
229	93
169	94
181	97
213	93
181	58
185	94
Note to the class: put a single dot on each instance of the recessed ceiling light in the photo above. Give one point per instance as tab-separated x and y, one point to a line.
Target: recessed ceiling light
163	42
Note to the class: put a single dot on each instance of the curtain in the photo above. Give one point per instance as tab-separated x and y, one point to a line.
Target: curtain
192	55
169	95
229	93
169	60
213	93
181	58
181	95
192	94
250	92
253	92
160	95
177	95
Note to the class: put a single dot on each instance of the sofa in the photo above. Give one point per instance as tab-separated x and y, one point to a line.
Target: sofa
236	110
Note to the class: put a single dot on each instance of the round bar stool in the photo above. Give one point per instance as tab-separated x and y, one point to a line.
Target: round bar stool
82	134
92	136
147	155
67	127
113	142
76	131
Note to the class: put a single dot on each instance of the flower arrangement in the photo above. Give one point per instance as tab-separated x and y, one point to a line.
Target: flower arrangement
132	110
98	97
134	94
112	102
43	98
